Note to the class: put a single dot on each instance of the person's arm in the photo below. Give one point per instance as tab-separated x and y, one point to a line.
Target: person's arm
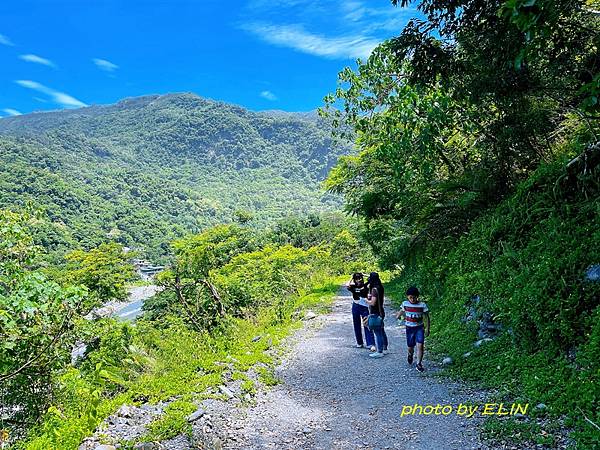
427	322
350	284
372	297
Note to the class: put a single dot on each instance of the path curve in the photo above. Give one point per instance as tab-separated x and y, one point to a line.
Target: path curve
333	396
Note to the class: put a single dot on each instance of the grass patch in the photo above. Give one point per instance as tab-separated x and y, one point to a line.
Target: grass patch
172	423
267	376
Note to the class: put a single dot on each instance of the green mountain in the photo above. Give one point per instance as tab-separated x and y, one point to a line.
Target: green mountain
148	169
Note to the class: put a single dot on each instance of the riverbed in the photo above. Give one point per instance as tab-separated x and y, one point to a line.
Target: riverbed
129	309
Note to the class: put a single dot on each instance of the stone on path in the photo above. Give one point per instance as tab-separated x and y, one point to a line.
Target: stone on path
196	415
309	315
225	390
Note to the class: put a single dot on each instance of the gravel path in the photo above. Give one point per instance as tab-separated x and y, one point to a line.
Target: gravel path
328	398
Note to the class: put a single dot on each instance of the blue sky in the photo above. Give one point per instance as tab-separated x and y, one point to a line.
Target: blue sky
261	54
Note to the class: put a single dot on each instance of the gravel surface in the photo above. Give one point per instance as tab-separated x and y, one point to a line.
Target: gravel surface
334	396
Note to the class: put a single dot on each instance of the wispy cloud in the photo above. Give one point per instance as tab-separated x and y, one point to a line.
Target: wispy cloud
6	41
353	10
37	60
326	28
105	65
296	37
12	112
60	98
375	18
291	6
268	95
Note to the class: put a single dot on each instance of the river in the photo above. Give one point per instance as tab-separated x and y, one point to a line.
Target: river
133	308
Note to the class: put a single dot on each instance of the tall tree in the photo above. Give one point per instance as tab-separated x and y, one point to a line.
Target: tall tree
462	105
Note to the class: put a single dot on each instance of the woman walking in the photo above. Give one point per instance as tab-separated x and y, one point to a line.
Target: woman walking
377	314
360	310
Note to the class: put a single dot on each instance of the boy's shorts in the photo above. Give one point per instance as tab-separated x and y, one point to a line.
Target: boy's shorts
414	335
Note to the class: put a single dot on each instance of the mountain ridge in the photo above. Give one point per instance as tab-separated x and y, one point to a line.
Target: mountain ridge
176	163
8	123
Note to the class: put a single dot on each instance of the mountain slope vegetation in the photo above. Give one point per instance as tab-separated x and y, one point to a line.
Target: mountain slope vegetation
149	169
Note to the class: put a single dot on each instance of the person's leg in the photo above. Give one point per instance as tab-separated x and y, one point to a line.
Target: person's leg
410	343
369	336
420	338
385	338
419	353
379	339
356	316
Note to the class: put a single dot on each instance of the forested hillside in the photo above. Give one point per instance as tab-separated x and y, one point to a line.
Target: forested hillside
149	169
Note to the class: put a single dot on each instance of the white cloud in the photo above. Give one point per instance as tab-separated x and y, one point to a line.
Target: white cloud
31	85
6	41
37	60
326	28
105	65
353	10
66	100
268	95
60	98
296	37
12	112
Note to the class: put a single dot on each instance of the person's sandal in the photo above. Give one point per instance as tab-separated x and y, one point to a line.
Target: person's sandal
410	358
420	368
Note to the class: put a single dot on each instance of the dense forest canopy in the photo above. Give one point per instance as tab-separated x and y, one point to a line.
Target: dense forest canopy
462	106
149	169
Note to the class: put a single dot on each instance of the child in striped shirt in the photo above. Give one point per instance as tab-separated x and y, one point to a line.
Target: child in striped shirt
416	316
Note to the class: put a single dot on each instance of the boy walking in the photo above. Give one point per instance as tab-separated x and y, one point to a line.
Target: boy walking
416	316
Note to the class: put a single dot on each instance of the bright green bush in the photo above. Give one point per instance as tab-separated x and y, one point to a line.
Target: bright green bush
36	322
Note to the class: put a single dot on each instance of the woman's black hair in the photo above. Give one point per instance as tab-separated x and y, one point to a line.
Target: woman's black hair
357	276
374	279
375	282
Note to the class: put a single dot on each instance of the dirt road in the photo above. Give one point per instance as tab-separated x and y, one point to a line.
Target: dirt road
334	396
